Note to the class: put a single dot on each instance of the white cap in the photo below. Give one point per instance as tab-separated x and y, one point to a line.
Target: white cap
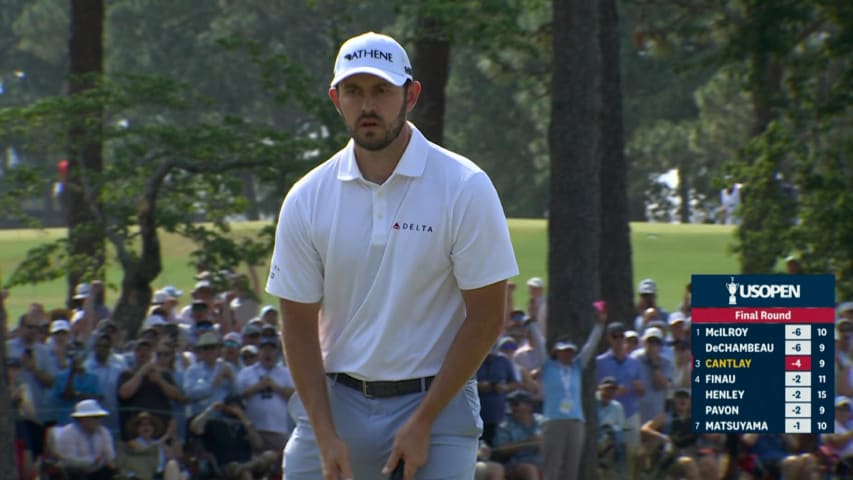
631	334
59	326
172	291
153	321
565	345
647	285
676	317
653	332
844	307
82	291
375	54
160	297
535	282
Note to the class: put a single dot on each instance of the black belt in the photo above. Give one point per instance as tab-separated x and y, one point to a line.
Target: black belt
383	389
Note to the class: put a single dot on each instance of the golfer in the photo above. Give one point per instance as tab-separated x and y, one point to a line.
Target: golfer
391	260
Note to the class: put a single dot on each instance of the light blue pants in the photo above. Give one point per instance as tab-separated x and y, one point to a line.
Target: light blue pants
368	426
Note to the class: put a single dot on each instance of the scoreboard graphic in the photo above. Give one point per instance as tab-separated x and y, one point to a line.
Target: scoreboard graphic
763	353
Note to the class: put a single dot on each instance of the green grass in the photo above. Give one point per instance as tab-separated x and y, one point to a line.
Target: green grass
668	253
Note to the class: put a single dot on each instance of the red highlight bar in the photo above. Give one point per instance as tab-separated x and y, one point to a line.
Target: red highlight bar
798	363
763	315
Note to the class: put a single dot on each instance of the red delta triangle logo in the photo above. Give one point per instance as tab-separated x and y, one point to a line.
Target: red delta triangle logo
396	226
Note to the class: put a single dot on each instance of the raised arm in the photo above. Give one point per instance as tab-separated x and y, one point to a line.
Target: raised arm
588	349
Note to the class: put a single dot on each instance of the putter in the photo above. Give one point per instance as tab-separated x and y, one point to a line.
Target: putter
397	474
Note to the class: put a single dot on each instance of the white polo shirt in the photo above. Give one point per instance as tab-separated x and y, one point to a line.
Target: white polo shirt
266	412
388	261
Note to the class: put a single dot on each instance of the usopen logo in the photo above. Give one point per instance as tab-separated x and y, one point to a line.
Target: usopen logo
760	290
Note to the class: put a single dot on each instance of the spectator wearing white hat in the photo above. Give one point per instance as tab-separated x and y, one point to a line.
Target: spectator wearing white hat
248	355
537	304
561	377
647	294
166	304
632	341
60	337
656	374
85	447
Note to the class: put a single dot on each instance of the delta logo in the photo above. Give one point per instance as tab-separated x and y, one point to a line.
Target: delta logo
741	290
413	227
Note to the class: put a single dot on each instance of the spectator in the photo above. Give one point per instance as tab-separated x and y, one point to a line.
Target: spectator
60	336
106	367
776	456
145	387
248	355
656	374
844	355
495	378
611	431
150	453
162	299
647	290
84	447
266	388
680	451
208	380
507	347
229	436
269	315
519	439
616	363
561	377
537	304
165	357
37	368
73	386
243	305
231	344
251	334
24	411
840	442
682	366
632	341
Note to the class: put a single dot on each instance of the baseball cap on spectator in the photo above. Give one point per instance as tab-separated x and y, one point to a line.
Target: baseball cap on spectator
677	317
202	285
267	309
172	291
615	328
681	392
59	326
841	400
535	282
657	324
82	291
506	342
375	54
267	329
565	345
251	329
647	286
844	307
207	339
248	350
232	337
160	297
153	321
269	342
631	334
653	332
608	382
518	316
519	396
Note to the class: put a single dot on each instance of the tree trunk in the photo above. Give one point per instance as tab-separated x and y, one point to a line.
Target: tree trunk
574	227
253	211
85	49
616	269
7	416
431	65
683	192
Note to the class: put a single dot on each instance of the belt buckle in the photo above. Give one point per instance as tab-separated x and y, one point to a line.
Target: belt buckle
364	389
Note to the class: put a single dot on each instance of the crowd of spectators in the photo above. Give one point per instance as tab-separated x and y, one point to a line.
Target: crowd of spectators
201	390
529	400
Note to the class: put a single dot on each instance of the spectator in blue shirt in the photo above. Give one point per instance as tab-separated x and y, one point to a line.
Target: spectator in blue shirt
495	378
210	379
616	363
72	386
561	383
519	439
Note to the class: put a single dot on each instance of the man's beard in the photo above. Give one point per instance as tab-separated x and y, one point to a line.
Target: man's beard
376	144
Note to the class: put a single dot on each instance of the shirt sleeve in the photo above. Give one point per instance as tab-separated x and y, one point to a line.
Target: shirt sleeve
481	252
296	269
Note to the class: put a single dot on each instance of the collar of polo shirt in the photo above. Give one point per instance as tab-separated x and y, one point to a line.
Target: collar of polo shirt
411	164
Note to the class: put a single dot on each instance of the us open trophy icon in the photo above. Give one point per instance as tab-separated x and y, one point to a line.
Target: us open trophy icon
732	288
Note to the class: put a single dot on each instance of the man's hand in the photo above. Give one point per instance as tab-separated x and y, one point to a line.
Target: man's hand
411	445
335	457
